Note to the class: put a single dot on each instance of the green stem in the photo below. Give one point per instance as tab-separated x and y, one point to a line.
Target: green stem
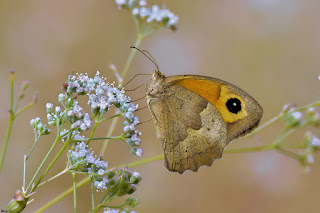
137	24
288	153
43	161
24	172
283	136
95	139
92	193
143	161
25	108
51	164
308	106
150	30
17	104
74	193
266	124
11	119
117	115
281	115
62	195
250	149
56	176
6	140
130	58
92	132
112	195
34	144
110	131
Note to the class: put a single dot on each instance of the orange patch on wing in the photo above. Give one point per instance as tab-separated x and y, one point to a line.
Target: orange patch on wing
206	89
216	94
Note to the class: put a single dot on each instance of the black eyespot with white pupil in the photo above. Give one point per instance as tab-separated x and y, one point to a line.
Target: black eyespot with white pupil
234	105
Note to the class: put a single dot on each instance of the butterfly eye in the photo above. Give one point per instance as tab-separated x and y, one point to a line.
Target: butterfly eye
234	105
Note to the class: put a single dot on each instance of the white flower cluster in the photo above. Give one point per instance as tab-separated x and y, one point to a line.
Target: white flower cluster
85	160
90	163
80	120
39	127
154	14
102	96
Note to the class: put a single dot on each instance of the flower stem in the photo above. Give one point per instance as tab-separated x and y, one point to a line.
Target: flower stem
284	135
24	109
11	119
34	144
62	195
56	176
110	131
130	58
6	140
281	115
74	192
250	149
43	161
117	115
288	153
92	193
92	132
101	138
266	124
51	164
24	172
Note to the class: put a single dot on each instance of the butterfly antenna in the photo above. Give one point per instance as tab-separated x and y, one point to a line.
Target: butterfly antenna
130	90
149	56
132	79
143	122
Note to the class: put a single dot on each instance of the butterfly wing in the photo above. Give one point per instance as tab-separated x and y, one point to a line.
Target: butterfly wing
239	120
190	129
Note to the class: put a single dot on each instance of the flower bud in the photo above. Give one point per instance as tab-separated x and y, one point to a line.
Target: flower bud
132	202
312	117
18	203
49	107
25	85
293	119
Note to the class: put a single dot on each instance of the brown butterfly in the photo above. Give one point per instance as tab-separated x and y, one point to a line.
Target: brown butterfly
197	116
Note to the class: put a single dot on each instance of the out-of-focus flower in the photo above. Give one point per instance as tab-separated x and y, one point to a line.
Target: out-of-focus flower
149	18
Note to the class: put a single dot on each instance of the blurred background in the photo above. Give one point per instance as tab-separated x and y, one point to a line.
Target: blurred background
269	48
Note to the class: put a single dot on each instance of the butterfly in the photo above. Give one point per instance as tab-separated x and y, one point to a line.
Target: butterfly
197	116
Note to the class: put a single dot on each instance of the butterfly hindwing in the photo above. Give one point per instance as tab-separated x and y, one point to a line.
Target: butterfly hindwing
189	133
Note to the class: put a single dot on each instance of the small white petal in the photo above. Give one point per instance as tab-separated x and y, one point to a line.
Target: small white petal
142	3
49	105
139	152
120	2
315	141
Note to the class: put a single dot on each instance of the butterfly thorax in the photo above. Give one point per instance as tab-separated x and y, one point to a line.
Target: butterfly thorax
157	85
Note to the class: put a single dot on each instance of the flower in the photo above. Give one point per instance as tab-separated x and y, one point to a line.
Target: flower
108	210
49	107
315	142
38	127
293	118
149	18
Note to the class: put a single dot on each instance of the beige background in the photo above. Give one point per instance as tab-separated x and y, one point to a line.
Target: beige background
270	48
